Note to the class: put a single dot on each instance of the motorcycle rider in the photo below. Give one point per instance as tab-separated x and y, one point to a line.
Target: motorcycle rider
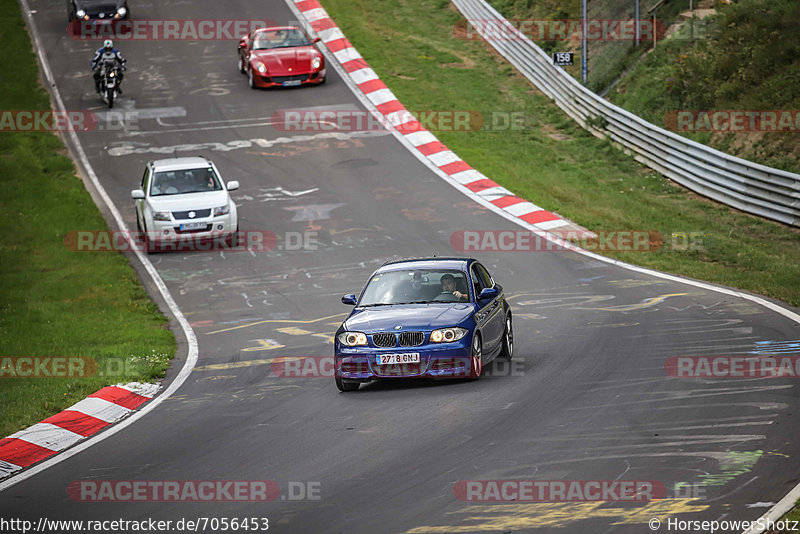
107	54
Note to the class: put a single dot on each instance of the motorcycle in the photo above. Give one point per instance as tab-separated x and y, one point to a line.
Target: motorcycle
110	79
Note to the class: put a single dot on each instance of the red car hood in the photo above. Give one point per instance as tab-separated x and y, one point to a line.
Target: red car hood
279	61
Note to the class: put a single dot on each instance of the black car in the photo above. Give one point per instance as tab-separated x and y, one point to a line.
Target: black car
101	11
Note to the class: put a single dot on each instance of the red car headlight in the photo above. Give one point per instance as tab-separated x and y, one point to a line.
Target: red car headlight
316	62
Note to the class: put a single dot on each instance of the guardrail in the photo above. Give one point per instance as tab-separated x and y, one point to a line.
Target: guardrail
744	185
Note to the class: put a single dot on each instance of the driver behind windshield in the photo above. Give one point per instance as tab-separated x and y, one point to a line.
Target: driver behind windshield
448	282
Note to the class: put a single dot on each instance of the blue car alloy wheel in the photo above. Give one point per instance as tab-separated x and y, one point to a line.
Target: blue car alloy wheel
432	318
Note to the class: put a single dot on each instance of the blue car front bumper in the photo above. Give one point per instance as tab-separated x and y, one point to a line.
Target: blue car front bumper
437	360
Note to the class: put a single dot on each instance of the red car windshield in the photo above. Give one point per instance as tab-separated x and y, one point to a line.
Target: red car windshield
267	40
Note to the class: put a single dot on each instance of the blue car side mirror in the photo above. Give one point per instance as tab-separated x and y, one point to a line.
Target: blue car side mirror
349	299
487	293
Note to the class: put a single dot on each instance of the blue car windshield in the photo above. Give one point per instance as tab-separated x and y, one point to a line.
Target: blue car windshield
415	286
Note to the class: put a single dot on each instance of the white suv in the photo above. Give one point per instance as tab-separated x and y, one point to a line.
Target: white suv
184	201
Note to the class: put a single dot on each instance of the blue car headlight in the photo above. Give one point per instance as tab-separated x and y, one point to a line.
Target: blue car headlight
352	339
448	335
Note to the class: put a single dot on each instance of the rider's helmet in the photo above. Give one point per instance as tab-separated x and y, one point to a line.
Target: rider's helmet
108	45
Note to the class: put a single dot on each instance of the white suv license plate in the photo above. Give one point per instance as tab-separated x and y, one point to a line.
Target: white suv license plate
194	226
407	357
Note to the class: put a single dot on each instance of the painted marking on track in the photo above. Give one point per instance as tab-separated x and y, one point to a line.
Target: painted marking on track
264	344
327	337
641	305
614	325
313	212
293	331
529	316
290	321
236	365
128	148
517	517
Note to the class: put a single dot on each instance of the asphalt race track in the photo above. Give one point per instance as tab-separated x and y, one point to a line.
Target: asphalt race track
588	397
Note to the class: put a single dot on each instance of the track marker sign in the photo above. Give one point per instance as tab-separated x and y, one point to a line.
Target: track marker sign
563	59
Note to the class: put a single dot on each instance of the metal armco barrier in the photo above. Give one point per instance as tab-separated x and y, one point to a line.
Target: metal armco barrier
744	185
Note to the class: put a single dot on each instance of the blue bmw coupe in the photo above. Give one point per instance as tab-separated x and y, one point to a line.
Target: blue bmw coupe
427	317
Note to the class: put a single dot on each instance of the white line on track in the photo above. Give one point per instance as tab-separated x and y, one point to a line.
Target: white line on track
347	54
191	339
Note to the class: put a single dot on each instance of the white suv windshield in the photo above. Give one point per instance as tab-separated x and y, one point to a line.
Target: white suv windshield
184	181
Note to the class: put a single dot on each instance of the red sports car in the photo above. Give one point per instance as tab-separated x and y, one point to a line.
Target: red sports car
280	57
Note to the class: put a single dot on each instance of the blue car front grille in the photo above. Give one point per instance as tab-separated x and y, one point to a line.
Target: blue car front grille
384	339
404	339
411	339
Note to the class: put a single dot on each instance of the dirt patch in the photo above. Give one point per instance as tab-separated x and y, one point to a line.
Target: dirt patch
552	133
466	62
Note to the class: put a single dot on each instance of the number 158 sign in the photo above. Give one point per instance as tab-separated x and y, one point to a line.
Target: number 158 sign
563	58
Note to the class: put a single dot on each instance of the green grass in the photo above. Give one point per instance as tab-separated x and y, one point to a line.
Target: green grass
749	61
790	516
552	161
607	58
55	302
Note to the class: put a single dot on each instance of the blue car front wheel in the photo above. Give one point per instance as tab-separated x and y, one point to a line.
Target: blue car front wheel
346	385
476	363
508	340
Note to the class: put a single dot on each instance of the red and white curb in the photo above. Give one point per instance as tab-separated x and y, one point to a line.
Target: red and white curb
79	421
415	134
480	187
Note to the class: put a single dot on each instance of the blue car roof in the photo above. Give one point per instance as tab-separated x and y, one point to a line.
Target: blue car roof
427	263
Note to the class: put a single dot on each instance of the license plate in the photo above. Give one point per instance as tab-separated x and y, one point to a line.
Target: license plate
193	226
291	83
389	359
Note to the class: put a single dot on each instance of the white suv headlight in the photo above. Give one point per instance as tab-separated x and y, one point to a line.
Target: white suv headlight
352	339
222	210
161	216
448	335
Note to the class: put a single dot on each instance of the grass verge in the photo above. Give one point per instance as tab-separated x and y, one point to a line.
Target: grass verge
553	162
55	302
789	520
